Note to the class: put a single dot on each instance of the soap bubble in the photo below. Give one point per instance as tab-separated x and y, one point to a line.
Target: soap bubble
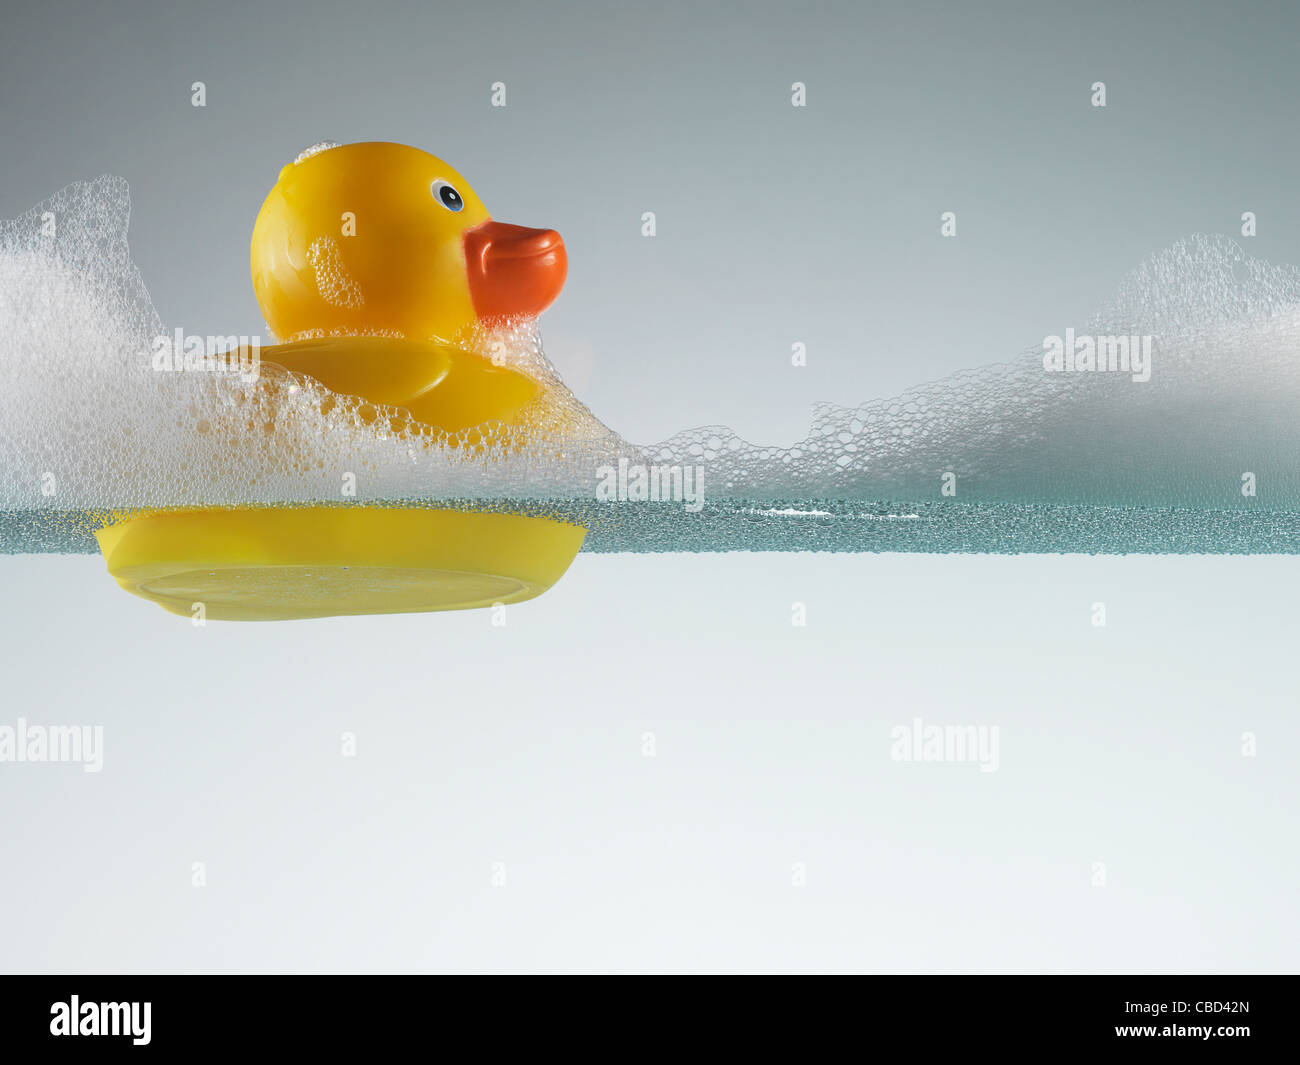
1003	457
315	149
77	332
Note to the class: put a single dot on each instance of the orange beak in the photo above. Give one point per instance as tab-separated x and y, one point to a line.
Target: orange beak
514	272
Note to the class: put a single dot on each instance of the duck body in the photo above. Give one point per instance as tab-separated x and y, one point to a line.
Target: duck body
439	385
378	265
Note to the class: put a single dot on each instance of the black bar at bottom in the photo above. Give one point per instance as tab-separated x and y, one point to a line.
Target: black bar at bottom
372	1015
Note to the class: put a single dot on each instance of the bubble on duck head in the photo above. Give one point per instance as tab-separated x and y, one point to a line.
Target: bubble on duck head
315	149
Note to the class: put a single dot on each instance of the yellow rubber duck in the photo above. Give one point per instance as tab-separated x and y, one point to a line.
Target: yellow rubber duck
376	263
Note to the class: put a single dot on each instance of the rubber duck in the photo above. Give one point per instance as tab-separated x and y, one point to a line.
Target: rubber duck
378	265
389	242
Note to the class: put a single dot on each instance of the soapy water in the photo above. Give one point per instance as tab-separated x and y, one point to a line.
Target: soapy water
1199	457
89	410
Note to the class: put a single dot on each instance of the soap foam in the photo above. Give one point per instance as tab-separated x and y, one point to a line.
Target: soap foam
315	149
1222	401
84	411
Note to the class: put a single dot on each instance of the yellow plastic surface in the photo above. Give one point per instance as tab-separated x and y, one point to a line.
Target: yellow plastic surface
439	384
272	564
368	211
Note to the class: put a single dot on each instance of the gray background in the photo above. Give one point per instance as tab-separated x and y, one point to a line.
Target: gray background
522	744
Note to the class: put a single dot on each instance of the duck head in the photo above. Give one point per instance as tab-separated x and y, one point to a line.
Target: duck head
379	238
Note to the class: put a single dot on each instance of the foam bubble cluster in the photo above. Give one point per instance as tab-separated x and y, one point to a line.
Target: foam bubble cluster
1222	402
315	149
87	422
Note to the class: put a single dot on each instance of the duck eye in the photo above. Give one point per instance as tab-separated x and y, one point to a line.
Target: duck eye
447	195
